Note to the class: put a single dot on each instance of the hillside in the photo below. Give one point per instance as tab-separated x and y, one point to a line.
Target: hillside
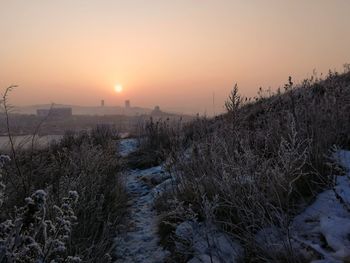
250	173
268	181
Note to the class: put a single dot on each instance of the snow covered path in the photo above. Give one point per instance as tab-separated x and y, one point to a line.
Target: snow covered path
139	243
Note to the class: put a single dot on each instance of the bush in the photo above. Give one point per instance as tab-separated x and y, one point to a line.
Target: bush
31	237
85	163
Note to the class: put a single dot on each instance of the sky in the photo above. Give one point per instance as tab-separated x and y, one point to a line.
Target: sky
175	54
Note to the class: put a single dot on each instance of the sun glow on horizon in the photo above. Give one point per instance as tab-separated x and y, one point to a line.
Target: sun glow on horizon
173	53
118	88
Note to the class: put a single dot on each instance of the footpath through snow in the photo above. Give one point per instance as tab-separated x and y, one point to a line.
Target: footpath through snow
140	242
321	231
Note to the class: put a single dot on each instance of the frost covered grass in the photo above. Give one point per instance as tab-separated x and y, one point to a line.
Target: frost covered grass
156	140
3	160
81	204
32	237
258	165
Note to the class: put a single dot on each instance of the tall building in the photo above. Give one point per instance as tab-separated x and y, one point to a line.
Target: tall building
127	104
102	103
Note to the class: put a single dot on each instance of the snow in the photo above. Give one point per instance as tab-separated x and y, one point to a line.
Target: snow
324	226
127	146
336	230
321	232
140	242
207	243
343	158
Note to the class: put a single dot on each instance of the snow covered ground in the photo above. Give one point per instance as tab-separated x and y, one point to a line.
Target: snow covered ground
321	232
324	226
207	243
127	146
140	241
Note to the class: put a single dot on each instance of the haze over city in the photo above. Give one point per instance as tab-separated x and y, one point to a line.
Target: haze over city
175	54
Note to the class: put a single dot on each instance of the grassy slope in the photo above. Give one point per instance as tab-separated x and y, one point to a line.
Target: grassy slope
263	160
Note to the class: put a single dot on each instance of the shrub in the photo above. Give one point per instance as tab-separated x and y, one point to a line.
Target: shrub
87	164
32	237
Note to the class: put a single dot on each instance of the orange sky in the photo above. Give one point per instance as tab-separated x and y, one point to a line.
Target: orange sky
171	53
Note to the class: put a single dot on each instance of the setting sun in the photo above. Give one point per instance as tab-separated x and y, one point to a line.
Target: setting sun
118	88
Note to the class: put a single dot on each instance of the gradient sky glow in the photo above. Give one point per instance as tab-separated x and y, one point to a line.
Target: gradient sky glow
171	53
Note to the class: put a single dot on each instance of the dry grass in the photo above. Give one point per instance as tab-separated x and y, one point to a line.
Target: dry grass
86	163
263	159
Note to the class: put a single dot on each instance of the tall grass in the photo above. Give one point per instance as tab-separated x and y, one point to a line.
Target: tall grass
262	160
84	163
157	138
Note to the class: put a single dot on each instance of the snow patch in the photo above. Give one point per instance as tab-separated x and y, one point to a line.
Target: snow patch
324	226
140	242
207	243
127	146
343	158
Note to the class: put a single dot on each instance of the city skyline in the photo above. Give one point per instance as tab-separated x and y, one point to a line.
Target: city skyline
172	54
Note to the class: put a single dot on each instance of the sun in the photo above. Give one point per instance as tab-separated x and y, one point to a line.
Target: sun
118	88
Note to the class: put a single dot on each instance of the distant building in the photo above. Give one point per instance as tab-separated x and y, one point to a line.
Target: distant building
55	112
156	111
127	104
102	103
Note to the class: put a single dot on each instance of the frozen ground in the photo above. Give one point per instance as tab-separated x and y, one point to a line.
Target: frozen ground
139	242
127	146
321	233
207	243
324	226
